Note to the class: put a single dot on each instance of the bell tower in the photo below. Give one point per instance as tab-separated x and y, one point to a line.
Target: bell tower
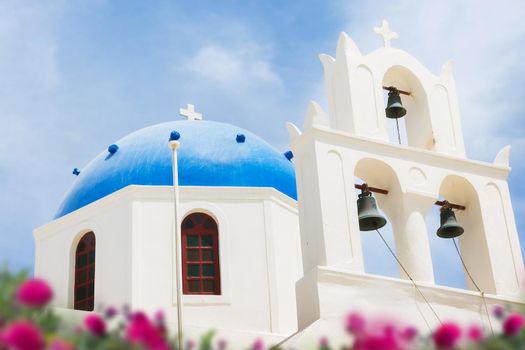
352	141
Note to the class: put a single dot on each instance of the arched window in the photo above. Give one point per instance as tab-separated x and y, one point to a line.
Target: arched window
200	255
85	273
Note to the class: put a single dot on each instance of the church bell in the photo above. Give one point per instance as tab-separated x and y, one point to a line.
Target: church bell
449	225
369	217
394	108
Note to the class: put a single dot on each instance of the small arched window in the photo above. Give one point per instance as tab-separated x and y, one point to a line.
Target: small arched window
85	273
200	255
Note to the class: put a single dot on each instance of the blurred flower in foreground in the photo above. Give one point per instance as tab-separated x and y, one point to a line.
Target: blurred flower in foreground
221	344
23	335
34	293
355	323
110	312
513	324
141	331
190	344
159	316
95	325
409	334
498	311
60	344
475	334
447	335
378	334
383	342
258	345
324	343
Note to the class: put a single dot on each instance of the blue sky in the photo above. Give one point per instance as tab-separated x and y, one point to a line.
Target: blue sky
75	76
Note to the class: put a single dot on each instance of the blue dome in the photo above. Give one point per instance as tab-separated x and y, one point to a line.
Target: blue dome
210	154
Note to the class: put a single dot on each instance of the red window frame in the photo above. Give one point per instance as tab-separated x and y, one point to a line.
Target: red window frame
200	255
84	291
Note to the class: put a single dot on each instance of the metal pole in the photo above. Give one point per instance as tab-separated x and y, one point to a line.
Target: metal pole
177	237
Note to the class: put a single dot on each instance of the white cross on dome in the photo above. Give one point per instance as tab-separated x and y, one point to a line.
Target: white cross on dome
190	113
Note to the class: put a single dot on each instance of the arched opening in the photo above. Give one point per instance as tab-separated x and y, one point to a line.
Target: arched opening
200	255
448	270
472	243
376	256
415	127
84	290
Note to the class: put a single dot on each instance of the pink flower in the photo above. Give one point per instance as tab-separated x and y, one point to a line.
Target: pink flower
409	334
323	343
23	335
375	342
447	335
159	316
60	344
34	293
475	334
221	344
110	312
190	344
513	324
258	345
498	312
141	331
355	323
95	325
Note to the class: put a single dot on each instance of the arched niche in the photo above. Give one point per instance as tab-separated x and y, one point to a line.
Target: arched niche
379	174
377	258
472	243
416	123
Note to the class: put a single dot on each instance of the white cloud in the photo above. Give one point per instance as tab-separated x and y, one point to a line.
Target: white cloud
236	67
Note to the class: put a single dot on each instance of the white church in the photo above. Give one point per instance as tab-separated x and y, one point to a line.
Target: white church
271	242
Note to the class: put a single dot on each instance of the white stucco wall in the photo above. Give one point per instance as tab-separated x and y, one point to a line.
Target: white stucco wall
334	293
259	249
55	245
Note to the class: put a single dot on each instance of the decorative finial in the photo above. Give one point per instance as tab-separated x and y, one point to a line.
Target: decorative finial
240	138
113	148
386	33
174	135
189	113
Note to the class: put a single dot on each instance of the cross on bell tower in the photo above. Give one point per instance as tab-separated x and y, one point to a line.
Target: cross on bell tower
386	33
190	113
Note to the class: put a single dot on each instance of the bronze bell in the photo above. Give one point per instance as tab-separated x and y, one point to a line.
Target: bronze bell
394	108
449	225
369	217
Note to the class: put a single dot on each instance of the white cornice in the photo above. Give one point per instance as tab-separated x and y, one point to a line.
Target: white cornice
134	193
418	155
